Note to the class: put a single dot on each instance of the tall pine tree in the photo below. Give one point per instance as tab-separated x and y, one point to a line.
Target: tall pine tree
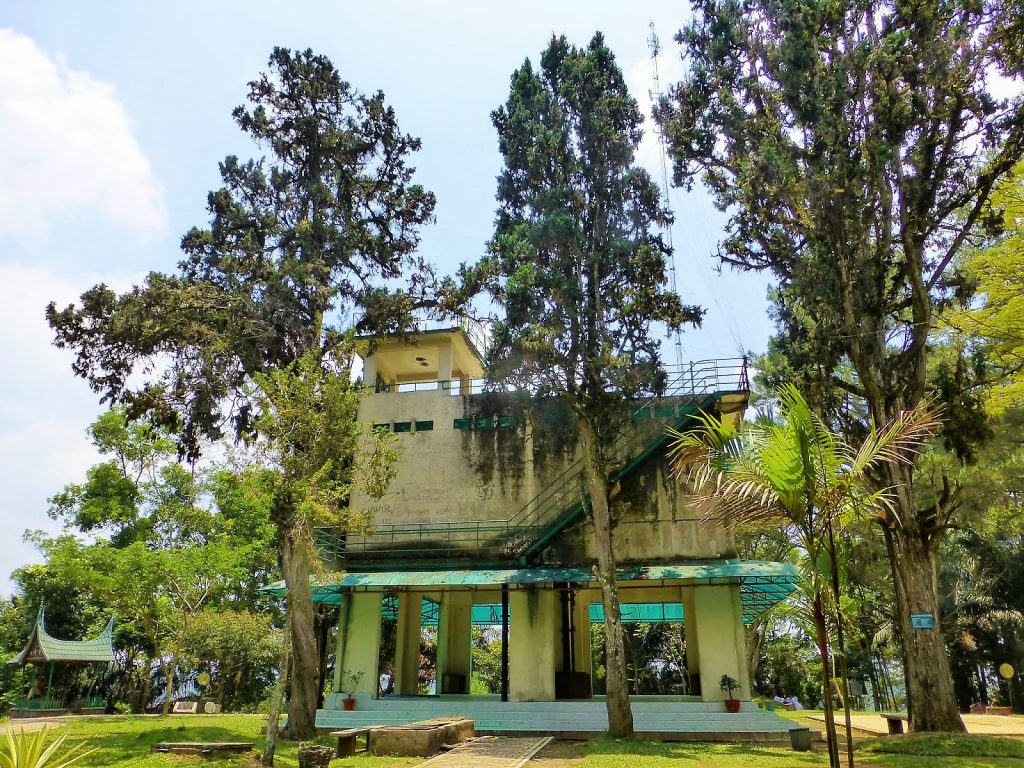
297	241
577	268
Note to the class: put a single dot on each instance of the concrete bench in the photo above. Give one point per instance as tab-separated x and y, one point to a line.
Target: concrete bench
347	739
895	722
204	748
185	708
420	739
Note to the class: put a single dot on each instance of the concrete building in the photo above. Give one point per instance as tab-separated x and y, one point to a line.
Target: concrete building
485	523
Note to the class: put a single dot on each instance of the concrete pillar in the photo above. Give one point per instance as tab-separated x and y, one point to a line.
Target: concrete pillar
690	629
534	615
444	366
719	628
407	644
454	641
370	372
581	640
359	644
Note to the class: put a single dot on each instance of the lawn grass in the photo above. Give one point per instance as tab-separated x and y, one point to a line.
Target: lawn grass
946	744
124	741
963	751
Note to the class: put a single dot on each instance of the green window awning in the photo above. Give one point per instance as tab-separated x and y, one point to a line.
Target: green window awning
762	584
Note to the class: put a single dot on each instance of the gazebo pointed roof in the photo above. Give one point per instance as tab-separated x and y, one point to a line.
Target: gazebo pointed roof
42	648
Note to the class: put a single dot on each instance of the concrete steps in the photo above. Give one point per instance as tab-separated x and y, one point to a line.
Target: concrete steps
666	718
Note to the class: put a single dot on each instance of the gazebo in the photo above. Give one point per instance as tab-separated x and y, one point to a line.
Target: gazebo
42	649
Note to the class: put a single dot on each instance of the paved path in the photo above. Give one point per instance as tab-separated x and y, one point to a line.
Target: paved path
30	724
991	725
491	752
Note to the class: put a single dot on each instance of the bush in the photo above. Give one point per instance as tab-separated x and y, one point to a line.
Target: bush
6	705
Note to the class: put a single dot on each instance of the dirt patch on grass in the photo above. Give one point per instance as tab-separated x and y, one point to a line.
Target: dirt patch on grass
559	754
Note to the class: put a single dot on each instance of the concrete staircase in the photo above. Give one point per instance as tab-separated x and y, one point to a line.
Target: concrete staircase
664	717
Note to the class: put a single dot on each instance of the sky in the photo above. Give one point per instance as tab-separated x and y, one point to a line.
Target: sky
113	117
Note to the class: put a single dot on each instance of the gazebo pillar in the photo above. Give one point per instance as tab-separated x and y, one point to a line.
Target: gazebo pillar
358	649
454	642
407	644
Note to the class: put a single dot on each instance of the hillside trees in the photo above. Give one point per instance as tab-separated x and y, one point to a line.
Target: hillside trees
577	270
298	240
855	148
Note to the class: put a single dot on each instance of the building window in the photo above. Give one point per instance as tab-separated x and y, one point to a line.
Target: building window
485	423
462	424
424	426
381	427
507	422
403	426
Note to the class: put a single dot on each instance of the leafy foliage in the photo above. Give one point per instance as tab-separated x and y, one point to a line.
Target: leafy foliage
30	750
855	148
577	270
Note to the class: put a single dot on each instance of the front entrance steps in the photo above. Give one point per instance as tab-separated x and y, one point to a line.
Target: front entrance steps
666	718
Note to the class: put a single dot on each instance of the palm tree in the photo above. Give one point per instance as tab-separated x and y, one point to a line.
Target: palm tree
796	471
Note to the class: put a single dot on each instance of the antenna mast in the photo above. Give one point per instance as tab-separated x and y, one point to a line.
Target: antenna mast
655	47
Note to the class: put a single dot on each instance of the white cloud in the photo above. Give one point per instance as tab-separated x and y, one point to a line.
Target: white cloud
44	409
67	147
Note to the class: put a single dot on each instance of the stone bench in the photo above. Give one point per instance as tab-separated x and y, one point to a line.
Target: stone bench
895	722
185	708
347	739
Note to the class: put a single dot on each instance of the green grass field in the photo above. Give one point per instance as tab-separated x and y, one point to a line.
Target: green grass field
127	741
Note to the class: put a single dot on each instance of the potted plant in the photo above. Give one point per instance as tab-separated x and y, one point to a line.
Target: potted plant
349	703
728	685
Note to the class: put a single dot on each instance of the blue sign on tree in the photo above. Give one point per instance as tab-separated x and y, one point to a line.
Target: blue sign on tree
922	620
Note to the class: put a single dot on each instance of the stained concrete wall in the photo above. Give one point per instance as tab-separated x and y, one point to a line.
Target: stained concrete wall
449	474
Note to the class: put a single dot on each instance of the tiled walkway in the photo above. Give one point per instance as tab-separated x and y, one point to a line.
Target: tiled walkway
490	752
990	725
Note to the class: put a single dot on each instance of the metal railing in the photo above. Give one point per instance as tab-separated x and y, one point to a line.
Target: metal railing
45	703
695	378
690	388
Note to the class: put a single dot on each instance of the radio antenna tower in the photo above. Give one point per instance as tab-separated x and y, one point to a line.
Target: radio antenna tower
655	46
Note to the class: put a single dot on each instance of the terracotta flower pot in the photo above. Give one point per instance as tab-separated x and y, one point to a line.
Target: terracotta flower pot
348	704
732	705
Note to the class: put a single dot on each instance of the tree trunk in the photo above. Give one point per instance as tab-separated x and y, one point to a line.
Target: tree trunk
620	714
931	700
821	630
274	718
172	670
305	683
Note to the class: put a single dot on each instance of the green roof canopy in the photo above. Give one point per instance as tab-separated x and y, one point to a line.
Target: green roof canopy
41	647
762	584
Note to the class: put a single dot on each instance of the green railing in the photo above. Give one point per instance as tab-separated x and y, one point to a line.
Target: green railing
45	703
691	388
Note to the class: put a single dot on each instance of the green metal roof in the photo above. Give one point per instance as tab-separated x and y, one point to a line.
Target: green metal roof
762	584
41	647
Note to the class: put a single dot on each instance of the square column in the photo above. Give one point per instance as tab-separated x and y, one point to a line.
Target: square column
692	640
533	615
370	372
454	642
407	644
444	366
358	649
718	615
581	639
